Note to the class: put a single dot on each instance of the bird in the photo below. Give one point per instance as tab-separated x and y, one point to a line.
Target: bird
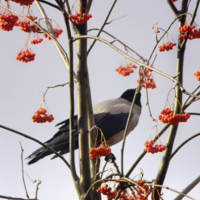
110	116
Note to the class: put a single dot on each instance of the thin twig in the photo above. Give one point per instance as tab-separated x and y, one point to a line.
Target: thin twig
71	95
157	41
127	123
60	85
103	169
23	171
115	39
167	188
191	101
37	141
117	168
114	20
144	152
58	45
60	50
37	188
104	23
48	3
137	62
190	97
13	198
118	194
147	98
188	188
183	143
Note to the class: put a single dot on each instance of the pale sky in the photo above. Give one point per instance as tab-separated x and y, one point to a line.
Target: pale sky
21	85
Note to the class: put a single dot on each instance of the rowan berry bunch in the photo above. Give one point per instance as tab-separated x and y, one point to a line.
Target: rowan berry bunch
149	79
126	70
192	34
80	18
197	74
26	27
168	117
40	116
56	31
105	190
151	148
7	21
23	2
100	151
167	47
26	56
142	194
36	41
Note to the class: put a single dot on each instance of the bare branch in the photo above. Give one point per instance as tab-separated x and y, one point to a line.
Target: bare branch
127	123
48	3
157	41
125	46
188	188
185	103
147	98
137	62
144	152
104	23
37	188
37	141
71	94
13	198
173	7
23	171
182	144
161	186
59	48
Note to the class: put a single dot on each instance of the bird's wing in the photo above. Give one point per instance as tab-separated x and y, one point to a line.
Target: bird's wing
111	116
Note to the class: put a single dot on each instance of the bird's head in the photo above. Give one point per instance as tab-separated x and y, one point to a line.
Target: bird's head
129	94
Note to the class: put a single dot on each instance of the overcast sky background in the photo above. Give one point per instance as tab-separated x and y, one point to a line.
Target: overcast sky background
21	83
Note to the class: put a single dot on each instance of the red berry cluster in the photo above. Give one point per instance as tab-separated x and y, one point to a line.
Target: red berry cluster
105	190
25	56
174	0
193	34
126	70
56	31
78	18
149	80
40	116
100	151
140	191
8	21
26	27
197	74
168	117
167	47
153	149
24	2
36	41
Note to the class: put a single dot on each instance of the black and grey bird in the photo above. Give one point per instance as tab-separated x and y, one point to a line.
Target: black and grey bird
110	116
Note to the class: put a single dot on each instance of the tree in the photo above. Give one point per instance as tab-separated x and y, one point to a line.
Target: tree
157	65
